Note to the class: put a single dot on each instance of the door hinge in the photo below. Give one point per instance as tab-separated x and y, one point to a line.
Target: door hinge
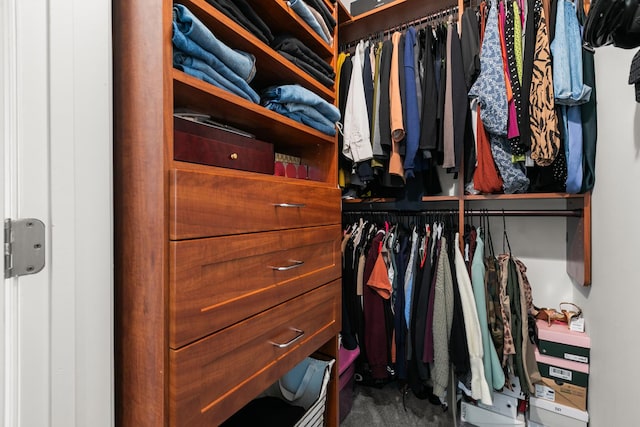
23	246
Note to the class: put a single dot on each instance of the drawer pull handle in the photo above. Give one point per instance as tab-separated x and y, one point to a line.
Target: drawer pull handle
289	205
295	264
300	333
234	156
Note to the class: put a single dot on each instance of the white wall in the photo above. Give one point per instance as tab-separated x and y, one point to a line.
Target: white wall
611	305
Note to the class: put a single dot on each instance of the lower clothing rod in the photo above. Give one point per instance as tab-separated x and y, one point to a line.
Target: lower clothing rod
525	212
479	212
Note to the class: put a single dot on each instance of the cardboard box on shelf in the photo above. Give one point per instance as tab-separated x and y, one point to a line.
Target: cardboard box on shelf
290	166
503	404
358	7
560	392
556	368
481	417
551	414
558	340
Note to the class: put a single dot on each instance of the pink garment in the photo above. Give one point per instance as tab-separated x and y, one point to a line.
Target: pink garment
512	131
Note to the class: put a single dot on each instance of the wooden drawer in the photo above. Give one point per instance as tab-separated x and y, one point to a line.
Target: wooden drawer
218	281
214	377
217	204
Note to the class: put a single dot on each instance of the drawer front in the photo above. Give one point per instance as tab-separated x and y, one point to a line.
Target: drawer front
213	378
217	204
216	282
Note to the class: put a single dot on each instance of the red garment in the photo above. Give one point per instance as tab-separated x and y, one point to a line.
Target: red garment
486	178
375	330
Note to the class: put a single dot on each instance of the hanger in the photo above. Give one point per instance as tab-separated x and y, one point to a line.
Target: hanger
505	237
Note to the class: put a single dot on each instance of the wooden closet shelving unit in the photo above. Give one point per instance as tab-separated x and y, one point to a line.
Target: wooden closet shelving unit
200	295
578	249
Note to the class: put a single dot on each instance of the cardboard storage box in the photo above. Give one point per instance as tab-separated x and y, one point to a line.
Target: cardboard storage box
564	370
550	414
503	404
358	7
198	142
560	392
481	417
558	341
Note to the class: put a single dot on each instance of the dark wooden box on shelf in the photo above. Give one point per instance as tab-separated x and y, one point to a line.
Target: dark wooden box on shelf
199	143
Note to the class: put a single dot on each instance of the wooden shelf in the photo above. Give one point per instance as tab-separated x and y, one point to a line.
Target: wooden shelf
526	196
282	19
387	16
271	67
267	125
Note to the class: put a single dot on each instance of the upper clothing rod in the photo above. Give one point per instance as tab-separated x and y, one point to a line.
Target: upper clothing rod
436	15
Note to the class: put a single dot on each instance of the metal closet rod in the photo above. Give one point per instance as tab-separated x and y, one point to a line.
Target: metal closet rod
432	17
525	212
477	212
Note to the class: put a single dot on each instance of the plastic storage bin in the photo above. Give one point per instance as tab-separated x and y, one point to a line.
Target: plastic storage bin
346	369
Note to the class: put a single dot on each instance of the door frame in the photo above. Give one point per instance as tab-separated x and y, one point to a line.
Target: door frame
79	220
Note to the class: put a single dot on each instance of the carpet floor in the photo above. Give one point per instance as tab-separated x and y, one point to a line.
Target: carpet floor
384	407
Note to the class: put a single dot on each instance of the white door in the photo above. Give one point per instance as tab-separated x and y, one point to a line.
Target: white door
56	339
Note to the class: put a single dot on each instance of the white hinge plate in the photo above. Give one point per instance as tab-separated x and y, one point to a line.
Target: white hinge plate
23	246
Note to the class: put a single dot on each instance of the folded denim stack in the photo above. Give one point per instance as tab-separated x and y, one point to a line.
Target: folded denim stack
317	16
241	12
298	53
200	54
303	106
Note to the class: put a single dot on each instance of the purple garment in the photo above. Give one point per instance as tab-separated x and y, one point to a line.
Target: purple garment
427	355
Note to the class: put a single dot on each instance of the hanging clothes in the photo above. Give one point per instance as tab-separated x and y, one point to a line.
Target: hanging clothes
479	387
357	143
493	372
545	139
442	321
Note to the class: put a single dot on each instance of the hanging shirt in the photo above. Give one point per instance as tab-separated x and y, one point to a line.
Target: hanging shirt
413	117
410	277
449	151
479	387
490	88
395	103
442	321
357	143
566	48
545	138
492	370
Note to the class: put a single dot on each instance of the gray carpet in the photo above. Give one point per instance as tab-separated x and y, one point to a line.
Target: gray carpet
384	407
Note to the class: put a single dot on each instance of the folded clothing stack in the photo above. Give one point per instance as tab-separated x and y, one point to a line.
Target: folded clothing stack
241	12
200	54
317	16
309	61
303	106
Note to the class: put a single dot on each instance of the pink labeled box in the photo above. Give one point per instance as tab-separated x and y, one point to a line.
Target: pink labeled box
564	370
558	341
